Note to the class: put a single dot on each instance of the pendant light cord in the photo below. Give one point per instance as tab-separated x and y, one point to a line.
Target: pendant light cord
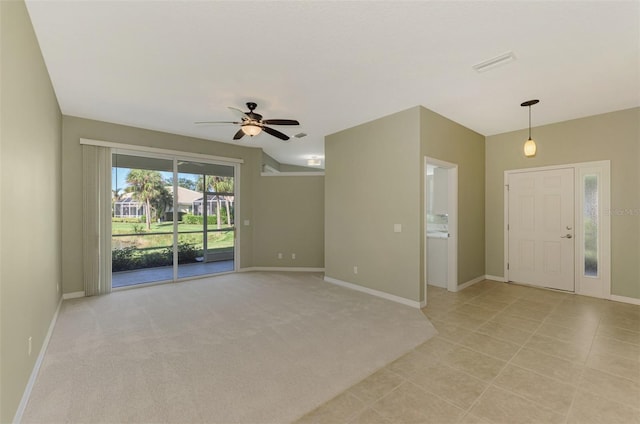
529	122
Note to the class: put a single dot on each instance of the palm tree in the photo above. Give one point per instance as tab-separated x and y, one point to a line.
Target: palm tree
208	183
147	186
225	186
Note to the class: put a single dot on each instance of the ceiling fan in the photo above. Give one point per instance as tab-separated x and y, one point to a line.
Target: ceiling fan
251	123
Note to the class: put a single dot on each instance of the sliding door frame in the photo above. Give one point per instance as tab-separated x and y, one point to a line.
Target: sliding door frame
175	156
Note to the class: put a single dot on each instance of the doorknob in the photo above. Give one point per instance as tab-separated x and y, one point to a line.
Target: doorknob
567	236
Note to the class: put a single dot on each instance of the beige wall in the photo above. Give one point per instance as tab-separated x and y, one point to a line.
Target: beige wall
75	128
614	136
372	181
291	220
30	209
268	160
449	141
252	189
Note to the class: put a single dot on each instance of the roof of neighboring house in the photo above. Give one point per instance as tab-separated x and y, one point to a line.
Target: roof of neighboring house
185	196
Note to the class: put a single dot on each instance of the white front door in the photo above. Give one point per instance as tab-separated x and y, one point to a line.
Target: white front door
541	228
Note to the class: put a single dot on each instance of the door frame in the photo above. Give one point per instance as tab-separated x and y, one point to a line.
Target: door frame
599	286
452	206
175	157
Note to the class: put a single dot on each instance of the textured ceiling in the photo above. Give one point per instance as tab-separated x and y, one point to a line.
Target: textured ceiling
333	65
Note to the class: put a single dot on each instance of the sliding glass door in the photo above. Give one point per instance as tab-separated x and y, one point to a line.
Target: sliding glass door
207	234
172	218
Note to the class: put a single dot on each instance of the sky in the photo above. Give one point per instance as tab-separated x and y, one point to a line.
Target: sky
119	177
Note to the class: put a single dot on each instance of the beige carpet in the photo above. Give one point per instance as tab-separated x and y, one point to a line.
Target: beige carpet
240	348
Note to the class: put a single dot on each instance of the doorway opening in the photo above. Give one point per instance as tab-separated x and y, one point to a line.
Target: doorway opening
441	224
172	218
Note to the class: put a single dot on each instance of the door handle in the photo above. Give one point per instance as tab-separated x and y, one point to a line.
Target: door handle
567	236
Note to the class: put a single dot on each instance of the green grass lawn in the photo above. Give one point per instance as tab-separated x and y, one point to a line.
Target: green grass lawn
140	238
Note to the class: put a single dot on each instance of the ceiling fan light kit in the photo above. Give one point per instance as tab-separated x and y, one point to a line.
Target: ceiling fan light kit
530	147
252	124
251	130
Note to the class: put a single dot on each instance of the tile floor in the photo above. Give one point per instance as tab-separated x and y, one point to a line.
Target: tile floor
506	354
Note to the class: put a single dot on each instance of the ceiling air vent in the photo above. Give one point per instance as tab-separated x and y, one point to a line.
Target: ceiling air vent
502	59
300	135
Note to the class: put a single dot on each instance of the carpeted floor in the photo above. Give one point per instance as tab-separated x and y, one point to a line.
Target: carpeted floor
239	348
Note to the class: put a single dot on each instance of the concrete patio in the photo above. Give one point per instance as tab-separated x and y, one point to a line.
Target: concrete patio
165	273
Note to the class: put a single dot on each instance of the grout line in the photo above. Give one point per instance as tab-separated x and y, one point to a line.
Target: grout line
556	307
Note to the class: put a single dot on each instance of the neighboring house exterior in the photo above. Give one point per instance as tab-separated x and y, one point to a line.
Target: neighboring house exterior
189	202
127	207
186	198
212	199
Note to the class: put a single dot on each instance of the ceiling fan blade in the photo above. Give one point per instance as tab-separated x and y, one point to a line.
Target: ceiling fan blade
281	122
238	112
239	134
275	133
217	122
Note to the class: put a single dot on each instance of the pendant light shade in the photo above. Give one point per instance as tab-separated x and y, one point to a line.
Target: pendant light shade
530	147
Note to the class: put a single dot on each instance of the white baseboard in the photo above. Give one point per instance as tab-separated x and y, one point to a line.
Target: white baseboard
495	278
73	295
471	282
377	293
280	269
36	367
625	299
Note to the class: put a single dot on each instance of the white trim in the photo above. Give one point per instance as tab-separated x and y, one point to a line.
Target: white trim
36	367
377	293
73	295
280	269
625	299
292	174
495	278
237	212
268	168
147	149
505	226
471	282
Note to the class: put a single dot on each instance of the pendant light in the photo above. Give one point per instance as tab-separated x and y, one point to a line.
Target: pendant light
529	145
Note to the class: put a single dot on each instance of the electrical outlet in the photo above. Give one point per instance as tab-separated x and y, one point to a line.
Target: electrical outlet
355	269
29	348
293	256
279	255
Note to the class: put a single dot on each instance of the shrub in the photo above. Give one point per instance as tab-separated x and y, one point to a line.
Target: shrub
123	259
138	228
197	219
155	259
187	253
126	220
